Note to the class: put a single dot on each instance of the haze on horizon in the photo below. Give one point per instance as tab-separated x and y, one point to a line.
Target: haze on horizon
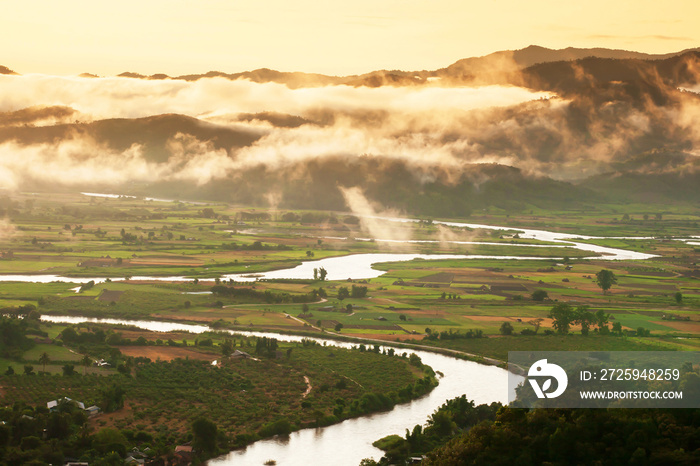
338	38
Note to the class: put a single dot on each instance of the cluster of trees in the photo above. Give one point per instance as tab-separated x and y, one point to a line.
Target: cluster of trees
35	435
453	418
576	436
320	274
255	246
564	316
461	433
354	292
452	335
266	347
13	339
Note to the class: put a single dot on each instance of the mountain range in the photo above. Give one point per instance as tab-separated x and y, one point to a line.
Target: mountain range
620	126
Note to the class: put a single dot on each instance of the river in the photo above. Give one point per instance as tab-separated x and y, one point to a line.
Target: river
360	266
348	442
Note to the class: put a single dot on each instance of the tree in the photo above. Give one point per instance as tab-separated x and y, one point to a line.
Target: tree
562	315
539	295
85	362
343	293
338	327
537	323
315	274
358	291
617	328
112	399
227	347
204	432
584	318
68	370
44	359
678	297
322	274
506	328
602	319
605	279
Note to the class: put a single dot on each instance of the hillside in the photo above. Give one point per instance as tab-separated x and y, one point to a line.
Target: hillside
617	128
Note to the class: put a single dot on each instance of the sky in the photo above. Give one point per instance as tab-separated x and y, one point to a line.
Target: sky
325	36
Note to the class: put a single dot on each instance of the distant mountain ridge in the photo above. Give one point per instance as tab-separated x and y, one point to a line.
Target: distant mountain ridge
619	127
502	62
493	68
535	54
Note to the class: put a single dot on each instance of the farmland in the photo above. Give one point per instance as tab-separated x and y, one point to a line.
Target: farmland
119	238
134	259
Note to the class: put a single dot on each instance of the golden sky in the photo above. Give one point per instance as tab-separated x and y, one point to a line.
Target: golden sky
326	36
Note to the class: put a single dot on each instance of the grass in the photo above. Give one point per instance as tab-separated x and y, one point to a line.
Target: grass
498	347
56	353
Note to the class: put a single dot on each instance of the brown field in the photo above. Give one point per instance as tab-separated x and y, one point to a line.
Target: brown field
166	353
690	327
110	295
438	278
546	322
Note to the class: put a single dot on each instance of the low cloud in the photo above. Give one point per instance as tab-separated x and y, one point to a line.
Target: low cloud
82	161
368	214
7	229
435	131
208	97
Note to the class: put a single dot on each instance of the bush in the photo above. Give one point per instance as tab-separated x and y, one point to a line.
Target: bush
506	328
279	427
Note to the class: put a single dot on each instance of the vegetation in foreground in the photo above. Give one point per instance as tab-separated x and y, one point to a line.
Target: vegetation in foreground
257	389
460	433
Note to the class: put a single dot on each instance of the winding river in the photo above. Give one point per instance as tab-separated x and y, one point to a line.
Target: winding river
348	442
360	266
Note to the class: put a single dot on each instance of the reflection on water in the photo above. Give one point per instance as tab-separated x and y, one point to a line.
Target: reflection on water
351	440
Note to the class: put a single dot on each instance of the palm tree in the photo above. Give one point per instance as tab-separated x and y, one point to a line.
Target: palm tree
44	359
86	362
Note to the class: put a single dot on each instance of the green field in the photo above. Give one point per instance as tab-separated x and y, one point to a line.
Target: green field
73	235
